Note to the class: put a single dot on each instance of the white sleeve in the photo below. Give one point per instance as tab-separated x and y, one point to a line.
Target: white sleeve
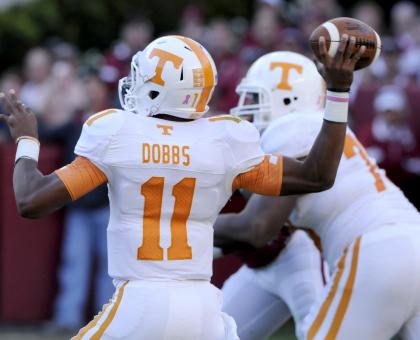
96	136
292	135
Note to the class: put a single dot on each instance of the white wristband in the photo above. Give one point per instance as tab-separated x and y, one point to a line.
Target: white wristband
27	147
337	106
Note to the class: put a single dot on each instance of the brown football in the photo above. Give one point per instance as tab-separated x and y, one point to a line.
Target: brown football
333	29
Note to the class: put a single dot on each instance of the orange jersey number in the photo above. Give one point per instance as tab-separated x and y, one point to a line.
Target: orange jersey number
152	190
350	147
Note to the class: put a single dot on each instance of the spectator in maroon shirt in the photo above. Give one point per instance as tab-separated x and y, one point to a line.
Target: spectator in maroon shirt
222	45
135	35
264	34
391	141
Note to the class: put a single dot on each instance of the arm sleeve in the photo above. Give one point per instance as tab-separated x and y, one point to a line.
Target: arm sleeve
265	178
252	169
80	177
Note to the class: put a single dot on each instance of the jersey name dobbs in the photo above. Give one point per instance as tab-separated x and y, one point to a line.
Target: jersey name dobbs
165	154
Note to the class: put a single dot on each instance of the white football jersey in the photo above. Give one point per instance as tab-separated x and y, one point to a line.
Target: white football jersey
362	198
167	182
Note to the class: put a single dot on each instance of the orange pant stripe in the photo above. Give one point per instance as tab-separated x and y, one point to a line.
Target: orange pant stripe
91	324
111	315
345	299
316	325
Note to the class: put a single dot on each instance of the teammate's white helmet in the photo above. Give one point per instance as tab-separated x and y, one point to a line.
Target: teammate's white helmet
174	75
279	83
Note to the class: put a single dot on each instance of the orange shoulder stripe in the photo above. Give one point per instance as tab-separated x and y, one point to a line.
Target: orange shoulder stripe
98	115
265	178
232	118
80	177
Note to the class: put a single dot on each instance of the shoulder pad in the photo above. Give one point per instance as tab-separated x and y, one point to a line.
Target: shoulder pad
97	132
292	135
243	131
106	122
243	139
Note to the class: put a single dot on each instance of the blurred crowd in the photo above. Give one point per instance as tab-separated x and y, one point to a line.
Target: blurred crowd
64	85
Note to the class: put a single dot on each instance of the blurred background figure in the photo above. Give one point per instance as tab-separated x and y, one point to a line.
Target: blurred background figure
65	97
222	44
191	23
371	13
264	33
83	270
404	15
37	86
135	34
390	139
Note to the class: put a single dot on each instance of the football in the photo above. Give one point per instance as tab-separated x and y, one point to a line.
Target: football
333	29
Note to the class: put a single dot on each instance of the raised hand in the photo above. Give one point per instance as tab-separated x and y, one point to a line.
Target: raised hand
19	118
338	70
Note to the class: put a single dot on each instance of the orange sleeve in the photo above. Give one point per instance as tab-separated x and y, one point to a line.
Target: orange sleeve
265	178
80	177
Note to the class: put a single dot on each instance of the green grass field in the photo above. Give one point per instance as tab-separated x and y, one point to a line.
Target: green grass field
16	332
287	332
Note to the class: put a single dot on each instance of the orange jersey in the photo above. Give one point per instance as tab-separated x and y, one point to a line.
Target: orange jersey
167	183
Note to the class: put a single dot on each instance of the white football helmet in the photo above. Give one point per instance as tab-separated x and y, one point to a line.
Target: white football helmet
279	83
173	75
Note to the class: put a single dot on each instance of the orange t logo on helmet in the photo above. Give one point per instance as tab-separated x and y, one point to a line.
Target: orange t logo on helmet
164	57
286	67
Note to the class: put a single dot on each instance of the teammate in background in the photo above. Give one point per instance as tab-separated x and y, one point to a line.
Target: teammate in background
285	276
169	172
369	231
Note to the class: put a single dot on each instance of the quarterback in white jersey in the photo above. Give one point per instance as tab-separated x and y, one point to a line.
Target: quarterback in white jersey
169	172
369	233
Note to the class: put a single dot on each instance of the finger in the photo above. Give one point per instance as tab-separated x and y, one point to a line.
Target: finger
349	49
27	110
5	101
12	96
21	106
338	58
323	53
321	69
14	102
355	58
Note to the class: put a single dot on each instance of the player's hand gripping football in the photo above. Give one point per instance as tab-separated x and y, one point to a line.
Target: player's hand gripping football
338	70
20	119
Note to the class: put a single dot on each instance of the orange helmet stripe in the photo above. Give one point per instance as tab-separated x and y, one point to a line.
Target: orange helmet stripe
207	70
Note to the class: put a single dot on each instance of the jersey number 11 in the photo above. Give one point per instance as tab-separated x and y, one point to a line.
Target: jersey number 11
152	190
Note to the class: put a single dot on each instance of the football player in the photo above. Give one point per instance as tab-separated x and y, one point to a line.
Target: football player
169	172
369	231
293	259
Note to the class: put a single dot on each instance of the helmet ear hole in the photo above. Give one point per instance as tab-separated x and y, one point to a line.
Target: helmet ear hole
153	94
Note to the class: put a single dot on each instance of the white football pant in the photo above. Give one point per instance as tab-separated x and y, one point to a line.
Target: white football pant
374	292
162	310
262	300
